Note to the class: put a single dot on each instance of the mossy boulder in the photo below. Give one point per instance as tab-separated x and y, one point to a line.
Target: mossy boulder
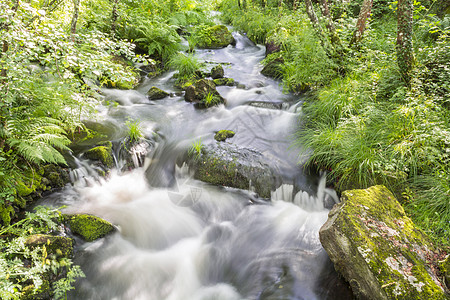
214	37
377	248
89	227
55	176
101	153
217	72
201	92
222	135
224	81
60	246
155	93
234	166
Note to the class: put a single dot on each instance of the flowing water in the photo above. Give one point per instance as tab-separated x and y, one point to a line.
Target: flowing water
179	238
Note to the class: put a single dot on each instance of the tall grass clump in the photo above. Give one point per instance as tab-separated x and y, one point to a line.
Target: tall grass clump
186	64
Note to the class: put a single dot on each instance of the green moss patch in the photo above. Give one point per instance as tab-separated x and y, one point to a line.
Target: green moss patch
102	154
377	248
214	37
57	245
222	135
155	93
89	227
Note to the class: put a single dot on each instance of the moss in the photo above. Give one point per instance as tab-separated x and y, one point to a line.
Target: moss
101	153
43	292
89	227
224	81
6	212
445	270
214	37
59	246
222	135
381	243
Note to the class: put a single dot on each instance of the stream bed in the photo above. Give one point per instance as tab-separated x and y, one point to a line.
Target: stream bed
180	238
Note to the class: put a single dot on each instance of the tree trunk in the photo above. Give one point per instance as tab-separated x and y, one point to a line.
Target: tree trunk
405	56
239	3
114	17
335	40
73	24
364	14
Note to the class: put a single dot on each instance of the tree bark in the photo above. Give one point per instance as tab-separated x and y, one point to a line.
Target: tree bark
405	56
364	15
335	40
73	24
114	17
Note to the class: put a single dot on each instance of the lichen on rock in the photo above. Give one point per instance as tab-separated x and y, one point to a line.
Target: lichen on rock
89	227
377	248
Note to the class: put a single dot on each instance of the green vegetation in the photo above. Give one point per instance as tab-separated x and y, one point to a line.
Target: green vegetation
367	121
196	149
134	130
34	265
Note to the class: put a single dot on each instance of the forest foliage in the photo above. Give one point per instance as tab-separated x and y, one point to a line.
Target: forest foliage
370	118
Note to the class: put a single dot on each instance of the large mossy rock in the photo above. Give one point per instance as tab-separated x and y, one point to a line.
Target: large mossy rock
200	91
217	72
101	153
233	166
215	37
89	227
58	245
377	248
156	93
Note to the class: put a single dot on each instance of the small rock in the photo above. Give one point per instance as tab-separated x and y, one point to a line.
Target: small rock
89	227
222	135
217	72
203	92
224	81
155	93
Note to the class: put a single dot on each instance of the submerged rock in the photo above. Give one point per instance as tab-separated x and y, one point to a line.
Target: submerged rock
377	248
203	92
230	165
155	93
89	227
215	37
217	72
57	245
101	153
222	135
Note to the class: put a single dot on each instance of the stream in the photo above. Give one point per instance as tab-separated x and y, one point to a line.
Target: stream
180	238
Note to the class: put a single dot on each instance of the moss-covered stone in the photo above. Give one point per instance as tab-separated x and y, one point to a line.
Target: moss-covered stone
273	68
217	72
230	165
222	135
56	245
89	227
377	248
445	270
102	154
201	91
224	81
6	212
214	37
155	93
55	176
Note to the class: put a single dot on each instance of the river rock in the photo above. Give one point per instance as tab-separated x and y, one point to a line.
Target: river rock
102	154
222	135
200	91
377	248
217	72
230	165
155	93
224	81
215	37
89	227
